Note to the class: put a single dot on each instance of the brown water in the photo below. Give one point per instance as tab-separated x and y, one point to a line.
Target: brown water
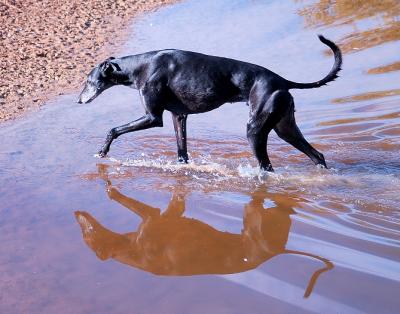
137	233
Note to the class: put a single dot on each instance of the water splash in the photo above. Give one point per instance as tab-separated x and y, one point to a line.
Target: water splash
354	185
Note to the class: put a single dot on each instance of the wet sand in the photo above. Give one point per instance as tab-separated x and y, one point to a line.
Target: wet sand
48	47
137	232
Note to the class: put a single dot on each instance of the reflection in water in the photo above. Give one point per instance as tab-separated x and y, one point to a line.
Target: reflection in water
167	243
382	17
385	68
325	12
366	96
388	116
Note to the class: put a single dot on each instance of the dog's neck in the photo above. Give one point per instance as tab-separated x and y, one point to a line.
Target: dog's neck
121	78
132	70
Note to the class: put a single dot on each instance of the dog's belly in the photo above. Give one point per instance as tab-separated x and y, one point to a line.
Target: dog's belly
197	97
192	104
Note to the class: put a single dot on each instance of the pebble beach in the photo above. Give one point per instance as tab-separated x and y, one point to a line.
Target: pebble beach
47	47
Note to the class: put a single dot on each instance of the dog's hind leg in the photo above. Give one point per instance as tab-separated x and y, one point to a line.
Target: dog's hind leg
180	133
265	113
288	130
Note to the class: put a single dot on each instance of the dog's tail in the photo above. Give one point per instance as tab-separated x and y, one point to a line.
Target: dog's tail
332	75
314	277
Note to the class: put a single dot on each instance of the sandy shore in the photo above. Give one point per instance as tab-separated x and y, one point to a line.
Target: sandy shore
48	47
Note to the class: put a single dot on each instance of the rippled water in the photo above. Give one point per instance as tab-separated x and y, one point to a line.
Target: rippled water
137	232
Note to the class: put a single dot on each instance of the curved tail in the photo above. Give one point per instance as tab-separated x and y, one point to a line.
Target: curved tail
332	75
314	277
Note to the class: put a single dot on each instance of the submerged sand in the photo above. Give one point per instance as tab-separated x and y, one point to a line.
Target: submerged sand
48	47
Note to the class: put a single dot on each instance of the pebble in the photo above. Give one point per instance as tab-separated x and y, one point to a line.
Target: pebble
47	41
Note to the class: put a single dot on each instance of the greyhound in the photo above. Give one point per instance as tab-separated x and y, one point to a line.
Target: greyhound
185	82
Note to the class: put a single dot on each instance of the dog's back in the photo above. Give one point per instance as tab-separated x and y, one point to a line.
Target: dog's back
203	82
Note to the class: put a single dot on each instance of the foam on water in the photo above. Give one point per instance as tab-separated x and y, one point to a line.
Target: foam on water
214	169
311	176
357	186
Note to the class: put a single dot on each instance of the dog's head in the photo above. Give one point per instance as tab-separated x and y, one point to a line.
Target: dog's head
99	79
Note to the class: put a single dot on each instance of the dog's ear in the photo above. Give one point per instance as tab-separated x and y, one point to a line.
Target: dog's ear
108	67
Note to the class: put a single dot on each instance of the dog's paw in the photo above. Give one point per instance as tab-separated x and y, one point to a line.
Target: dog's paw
111	192
267	168
183	160
101	154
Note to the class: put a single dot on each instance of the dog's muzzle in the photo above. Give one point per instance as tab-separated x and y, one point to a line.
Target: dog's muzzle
88	94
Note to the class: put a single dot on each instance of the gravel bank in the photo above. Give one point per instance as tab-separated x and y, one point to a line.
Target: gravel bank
47	47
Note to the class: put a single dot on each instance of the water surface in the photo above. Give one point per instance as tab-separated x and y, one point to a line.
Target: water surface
138	233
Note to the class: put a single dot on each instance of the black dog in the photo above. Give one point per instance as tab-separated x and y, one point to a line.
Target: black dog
184	82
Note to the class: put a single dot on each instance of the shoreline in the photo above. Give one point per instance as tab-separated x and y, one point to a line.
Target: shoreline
47	49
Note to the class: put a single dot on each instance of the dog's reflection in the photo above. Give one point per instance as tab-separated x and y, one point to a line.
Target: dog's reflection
167	243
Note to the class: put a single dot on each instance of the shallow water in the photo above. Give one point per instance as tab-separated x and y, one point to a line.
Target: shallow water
216	236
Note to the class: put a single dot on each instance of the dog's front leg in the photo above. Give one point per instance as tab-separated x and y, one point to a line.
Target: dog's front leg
145	122
180	133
